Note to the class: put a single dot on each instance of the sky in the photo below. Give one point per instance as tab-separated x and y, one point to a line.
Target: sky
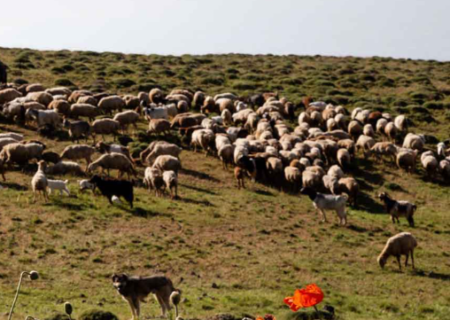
417	29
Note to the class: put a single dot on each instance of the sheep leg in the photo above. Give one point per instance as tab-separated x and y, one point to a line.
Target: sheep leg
412	259
406	260
243	183
399	263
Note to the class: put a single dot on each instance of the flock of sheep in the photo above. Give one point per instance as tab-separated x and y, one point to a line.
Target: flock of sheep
252	134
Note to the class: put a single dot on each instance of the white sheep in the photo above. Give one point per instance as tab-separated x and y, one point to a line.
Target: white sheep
58	185
402	244
39	182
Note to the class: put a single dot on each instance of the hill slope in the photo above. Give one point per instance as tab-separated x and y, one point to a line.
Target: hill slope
238	251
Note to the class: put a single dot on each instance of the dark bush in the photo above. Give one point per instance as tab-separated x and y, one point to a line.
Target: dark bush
97	315
64	82
434	105
58	316
213	81
20	81
124	83
57	70
243	85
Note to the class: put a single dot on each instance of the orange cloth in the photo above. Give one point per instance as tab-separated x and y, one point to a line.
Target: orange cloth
304	298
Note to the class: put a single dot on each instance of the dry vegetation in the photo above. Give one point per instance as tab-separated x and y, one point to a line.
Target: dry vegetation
238	251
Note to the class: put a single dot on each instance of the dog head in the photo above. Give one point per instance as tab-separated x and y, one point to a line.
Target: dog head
382	195
120	281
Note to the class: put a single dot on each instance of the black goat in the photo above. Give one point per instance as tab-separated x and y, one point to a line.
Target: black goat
118	188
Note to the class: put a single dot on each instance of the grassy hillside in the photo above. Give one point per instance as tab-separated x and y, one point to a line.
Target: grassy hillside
238	251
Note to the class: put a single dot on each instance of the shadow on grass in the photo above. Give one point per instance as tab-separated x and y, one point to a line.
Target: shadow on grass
199	175
195	201
144	213
432	275
357	228
60	202
367	203
264	192
198	189
14	186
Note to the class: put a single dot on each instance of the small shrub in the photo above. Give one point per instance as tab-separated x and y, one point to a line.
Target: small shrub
124	83
434	105
213	81
64	82
58	316
97	315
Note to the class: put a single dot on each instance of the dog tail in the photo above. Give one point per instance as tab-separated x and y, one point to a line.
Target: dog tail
175	298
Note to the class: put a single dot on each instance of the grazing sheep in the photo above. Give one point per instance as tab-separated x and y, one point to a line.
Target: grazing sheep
344	159
398	208
323	202
365	144
109	148
199	98
6	141
118	188
126	118
41	97
110	103
414	141
76	152
368	130
407	159
312	176
66	167
402	244
167	163
202	138
156	96
85	110
387	149
293	177
171	182
225	154
153	179
227	117
21	153
113	161
158	126
390	131
78	129
380	126
7	95
60	106
87	99
161	149
444	168
39	182
336	172
401	123
355	129
144	97
58	185
430	164
349	186
105	126
50	156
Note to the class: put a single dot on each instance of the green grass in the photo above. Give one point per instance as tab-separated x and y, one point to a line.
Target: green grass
238	251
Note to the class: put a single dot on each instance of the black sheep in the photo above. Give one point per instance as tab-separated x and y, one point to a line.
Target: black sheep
118	188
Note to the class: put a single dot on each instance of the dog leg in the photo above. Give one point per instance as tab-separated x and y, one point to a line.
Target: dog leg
161	303
130	303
